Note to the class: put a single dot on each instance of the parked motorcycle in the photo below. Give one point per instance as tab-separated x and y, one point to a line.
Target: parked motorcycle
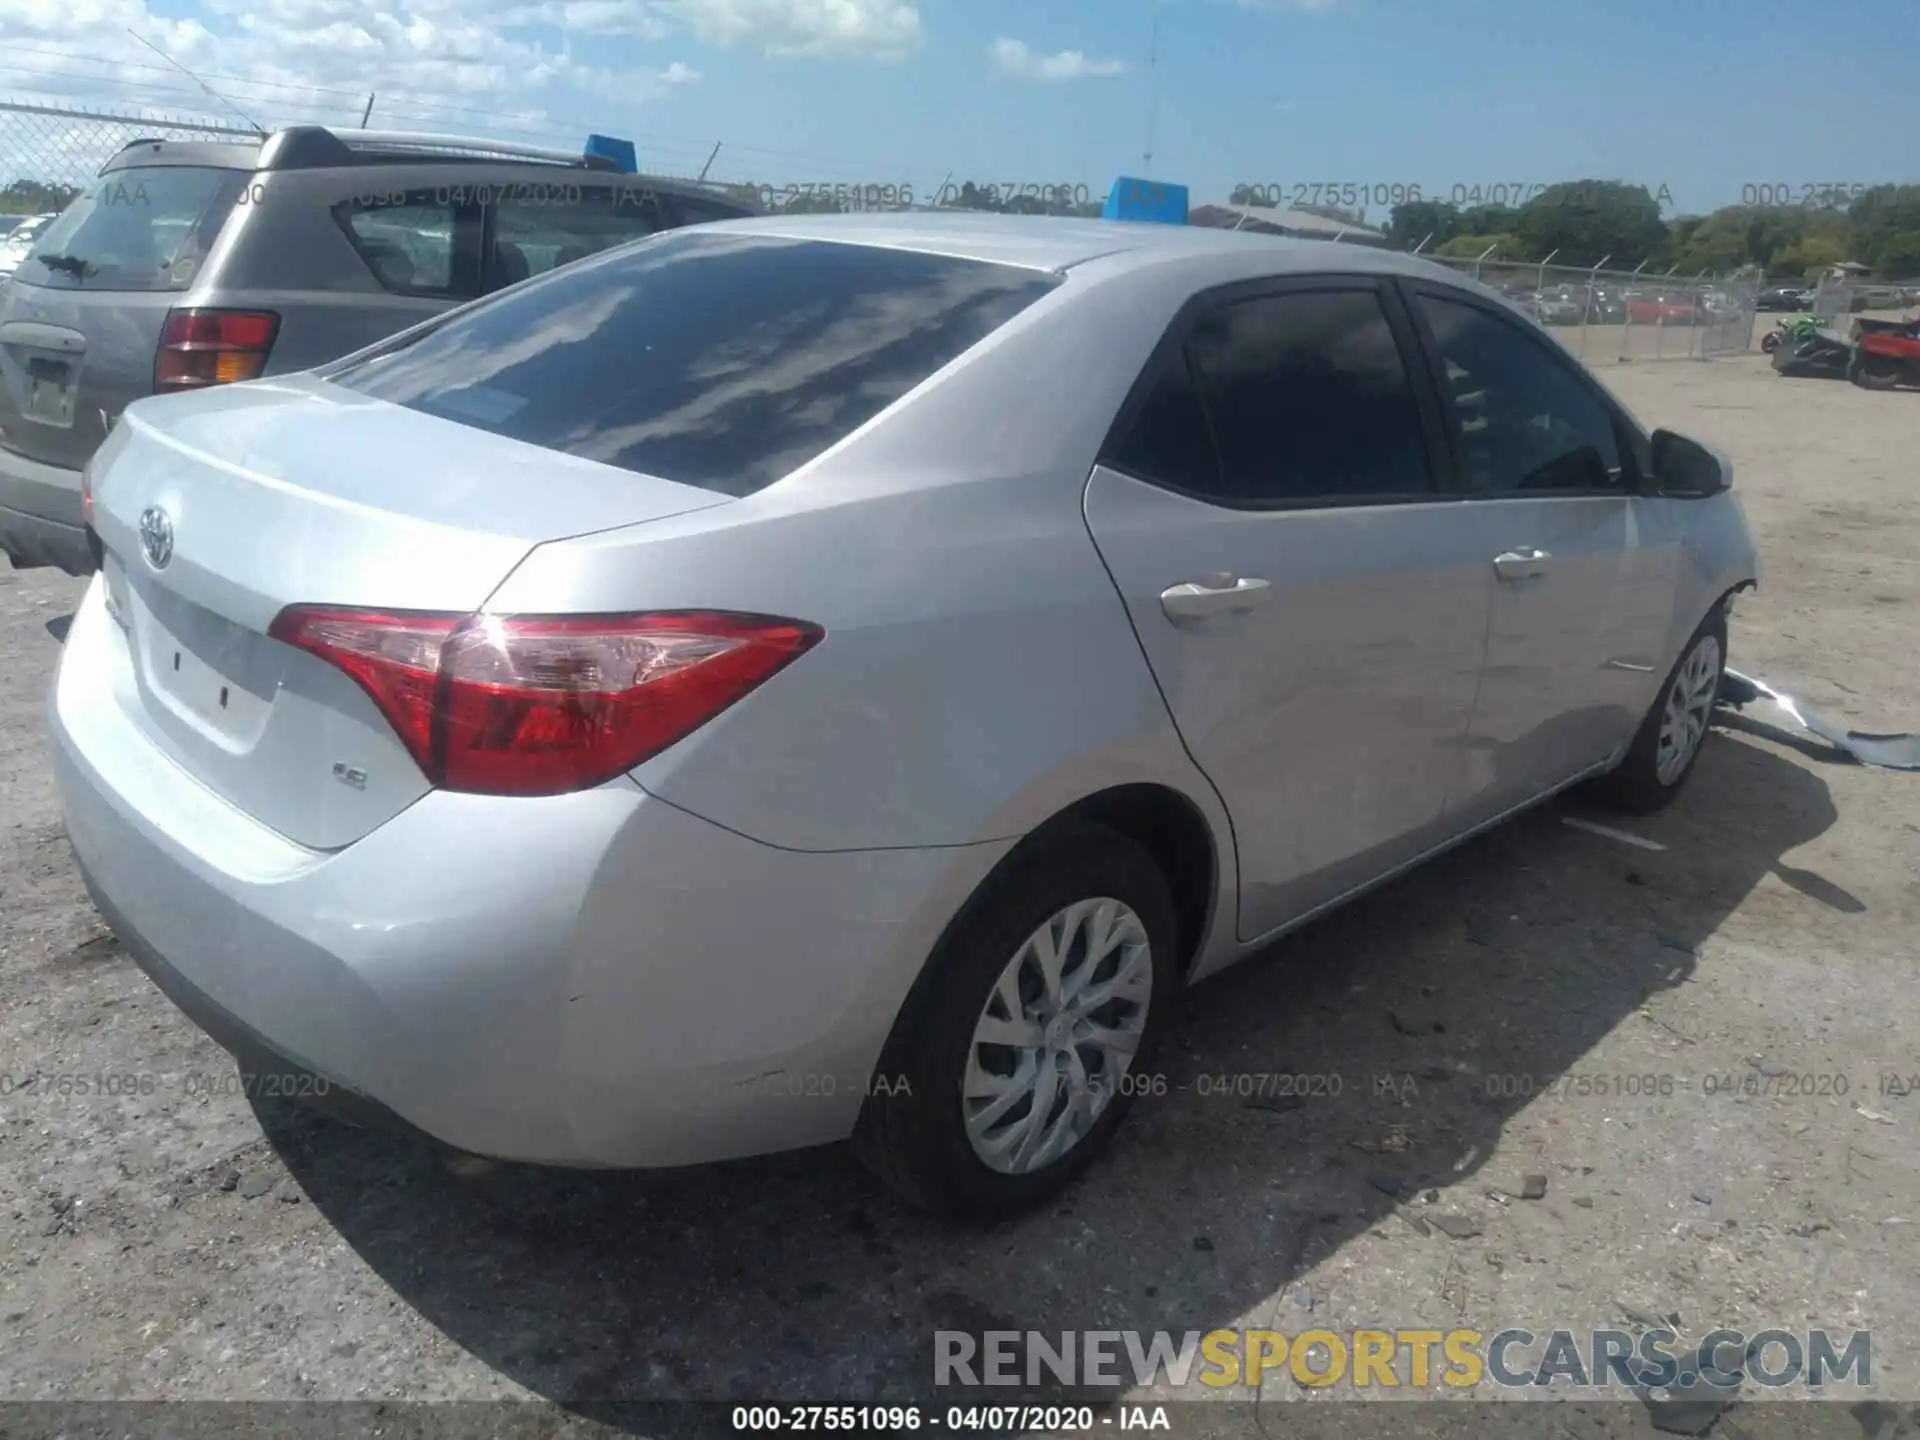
1789	333
1819	356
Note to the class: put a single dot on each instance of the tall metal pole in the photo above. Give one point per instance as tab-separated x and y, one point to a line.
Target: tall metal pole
1153	89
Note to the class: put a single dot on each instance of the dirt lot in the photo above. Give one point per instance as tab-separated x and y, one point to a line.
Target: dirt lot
176	1246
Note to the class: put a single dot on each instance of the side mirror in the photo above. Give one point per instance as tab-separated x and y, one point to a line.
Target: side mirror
1686	469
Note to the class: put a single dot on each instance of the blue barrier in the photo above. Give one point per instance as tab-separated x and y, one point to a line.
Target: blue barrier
615	149
1134	199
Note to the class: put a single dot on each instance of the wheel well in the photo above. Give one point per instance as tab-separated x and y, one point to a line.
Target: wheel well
1170	828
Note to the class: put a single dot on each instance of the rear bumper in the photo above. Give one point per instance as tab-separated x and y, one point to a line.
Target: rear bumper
597	979
278	1072
40	515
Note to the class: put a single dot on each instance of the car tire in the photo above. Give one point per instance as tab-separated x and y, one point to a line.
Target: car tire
922	1132
1652	774
1868	375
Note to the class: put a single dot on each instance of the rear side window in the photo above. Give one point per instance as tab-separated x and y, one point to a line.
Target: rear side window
714	359
1303	397
418	242
1309	399
1168	441
539	227
143	228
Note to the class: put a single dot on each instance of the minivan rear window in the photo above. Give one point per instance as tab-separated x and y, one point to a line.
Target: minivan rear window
724	360
144	228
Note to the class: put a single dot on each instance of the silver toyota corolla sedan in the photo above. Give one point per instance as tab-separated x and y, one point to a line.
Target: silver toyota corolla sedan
842	676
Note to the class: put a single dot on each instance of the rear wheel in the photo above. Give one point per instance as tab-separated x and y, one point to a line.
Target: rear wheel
1668	742
1025	1043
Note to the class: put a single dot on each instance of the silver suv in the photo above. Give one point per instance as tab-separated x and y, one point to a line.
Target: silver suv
192	264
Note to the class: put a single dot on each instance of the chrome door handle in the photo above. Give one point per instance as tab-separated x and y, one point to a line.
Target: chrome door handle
1217	595
1521	563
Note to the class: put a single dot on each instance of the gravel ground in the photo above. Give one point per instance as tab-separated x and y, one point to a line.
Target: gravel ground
191	1247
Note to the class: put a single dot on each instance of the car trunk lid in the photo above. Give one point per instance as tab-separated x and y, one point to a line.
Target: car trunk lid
218	510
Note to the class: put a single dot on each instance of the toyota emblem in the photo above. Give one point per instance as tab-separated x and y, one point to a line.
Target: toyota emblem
156	536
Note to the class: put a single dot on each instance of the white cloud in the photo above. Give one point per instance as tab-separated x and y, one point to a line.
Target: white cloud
523	68
1016	59
591	17
802	27
282	61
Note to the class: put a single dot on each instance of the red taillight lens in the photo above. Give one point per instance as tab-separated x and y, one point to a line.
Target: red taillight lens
213	347
536	705
86	494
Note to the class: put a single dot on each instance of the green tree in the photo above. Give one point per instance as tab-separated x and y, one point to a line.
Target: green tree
1897	256
1512	247
976	197
1489	220
36	197
1808	256
1585	221
1410	223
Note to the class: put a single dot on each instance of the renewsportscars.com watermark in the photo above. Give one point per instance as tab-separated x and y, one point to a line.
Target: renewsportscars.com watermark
1509	1359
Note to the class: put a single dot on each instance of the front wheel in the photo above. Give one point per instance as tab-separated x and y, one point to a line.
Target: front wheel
1770	341
1032	1031
1668	741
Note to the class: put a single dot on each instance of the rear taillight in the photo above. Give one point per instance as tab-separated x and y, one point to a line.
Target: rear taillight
86	494
536	705
212	347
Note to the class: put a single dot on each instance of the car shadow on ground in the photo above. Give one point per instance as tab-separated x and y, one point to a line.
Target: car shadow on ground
1442	1004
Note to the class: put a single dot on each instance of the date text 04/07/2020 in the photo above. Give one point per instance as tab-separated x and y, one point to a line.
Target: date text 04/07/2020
960	1419
119	1084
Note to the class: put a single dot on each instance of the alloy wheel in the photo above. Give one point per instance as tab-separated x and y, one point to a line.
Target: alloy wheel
1689	706
1056	1037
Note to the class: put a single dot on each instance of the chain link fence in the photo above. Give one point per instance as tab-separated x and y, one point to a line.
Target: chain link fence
1617	316
48	153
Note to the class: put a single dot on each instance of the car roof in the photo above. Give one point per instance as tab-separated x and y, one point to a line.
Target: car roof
1056	244
386	148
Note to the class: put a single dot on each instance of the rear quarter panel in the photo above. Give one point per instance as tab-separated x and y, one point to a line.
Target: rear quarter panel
979	672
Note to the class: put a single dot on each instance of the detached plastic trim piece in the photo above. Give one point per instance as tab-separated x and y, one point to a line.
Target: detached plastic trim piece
1898	751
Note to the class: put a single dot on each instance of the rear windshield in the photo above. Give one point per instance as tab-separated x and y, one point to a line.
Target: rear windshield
144	228
719	360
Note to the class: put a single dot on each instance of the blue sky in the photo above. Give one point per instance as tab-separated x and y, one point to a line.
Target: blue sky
1696	97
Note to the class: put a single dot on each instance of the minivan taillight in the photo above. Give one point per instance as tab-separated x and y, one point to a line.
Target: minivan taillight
541	705
212	347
